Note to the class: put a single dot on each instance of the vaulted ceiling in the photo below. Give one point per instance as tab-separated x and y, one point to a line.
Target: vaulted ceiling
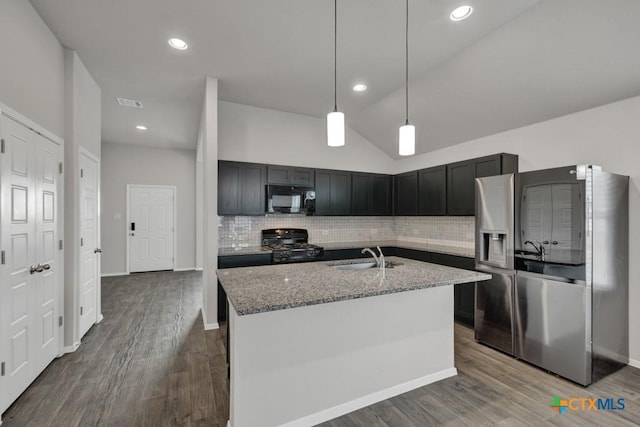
510	64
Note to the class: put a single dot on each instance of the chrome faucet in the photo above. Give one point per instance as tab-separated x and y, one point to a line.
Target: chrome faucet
539	248
379	258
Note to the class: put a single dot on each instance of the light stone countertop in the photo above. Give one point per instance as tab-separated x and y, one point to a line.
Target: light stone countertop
277	287
427	247
248	250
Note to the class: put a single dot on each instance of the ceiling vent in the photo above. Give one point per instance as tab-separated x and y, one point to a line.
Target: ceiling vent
129	102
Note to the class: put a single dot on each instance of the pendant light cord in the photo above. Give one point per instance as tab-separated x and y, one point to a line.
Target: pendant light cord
406	68
335	55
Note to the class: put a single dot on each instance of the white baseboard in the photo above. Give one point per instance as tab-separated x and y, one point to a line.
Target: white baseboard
185	269
353	405
634	363
208	326
114	274
198	268
71	348
100	318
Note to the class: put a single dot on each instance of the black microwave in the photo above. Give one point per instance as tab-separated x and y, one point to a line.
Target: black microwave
291	199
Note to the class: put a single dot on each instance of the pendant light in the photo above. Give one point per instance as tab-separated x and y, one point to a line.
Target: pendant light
335	119
407	134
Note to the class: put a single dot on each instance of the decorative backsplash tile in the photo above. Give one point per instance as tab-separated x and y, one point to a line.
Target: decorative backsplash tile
244	231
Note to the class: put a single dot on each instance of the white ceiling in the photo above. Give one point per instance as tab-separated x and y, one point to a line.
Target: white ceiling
512	63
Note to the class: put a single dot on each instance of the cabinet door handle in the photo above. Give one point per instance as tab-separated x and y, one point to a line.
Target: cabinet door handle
554	243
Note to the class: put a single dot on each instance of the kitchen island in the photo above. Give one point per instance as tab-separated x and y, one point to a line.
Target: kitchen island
310	342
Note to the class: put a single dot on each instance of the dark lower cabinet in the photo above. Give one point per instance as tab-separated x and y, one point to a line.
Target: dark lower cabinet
464	296
370	194
333	192
406	193
241	188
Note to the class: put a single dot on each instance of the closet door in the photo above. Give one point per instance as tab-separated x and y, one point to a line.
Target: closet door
30	272
48	254
17	288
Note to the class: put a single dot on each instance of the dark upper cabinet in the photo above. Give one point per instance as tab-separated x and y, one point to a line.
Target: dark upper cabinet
333	192
461	188
241	188
461	180
370	194
292	175
432	191
406	193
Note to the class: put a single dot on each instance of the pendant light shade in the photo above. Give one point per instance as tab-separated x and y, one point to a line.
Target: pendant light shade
335	119
407	138
407	134
335	129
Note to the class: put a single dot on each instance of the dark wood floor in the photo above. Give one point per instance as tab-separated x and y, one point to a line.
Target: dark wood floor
149	363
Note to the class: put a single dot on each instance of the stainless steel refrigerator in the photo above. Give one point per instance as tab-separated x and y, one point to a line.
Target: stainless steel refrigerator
493	314
569	293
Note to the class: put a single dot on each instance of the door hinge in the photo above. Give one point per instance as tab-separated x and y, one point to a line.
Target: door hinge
60	245
60	321
60	168
2	257
81	311
2	146
81	241
2	369
81	173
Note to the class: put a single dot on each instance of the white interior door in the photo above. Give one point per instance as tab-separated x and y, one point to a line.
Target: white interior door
48	253
89	276
29	279
151	215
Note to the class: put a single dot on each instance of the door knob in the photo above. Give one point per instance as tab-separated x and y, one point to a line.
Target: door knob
46	267
97	251
132	234
554	243
36	269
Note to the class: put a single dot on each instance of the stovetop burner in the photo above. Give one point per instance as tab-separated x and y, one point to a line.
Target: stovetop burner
290	245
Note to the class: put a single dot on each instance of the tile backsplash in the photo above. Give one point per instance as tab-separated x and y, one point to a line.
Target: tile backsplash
244	231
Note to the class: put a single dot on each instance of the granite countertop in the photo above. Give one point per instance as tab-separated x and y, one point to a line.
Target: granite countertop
277	287
249	250
428	247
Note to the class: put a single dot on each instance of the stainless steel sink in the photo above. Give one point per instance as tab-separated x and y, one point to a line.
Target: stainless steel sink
355	266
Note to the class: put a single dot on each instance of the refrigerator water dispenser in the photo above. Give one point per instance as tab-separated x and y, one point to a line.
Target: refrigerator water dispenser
494	248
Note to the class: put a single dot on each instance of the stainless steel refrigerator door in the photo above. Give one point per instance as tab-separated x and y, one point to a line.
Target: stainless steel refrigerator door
493	311
495	221
552	325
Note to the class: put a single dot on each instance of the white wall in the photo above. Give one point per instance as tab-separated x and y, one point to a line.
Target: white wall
128	164
260	135
32	71
608	136
82	130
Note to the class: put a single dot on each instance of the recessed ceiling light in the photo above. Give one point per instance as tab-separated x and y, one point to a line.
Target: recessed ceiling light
126	102
141	127
461	13
360	87
178	44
